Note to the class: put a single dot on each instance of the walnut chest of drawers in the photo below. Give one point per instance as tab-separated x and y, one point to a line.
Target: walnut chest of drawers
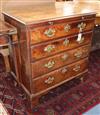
51	52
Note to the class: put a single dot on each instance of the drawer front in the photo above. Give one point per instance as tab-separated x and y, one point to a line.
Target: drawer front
46	65
57	76
3	40
55	46
45	33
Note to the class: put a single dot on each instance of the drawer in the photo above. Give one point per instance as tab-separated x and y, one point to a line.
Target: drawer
56	77
47	49
3	40
48	32
48	64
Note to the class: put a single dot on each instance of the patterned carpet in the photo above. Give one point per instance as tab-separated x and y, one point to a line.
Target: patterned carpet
72	98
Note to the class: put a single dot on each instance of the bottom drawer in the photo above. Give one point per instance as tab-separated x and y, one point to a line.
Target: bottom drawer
56	77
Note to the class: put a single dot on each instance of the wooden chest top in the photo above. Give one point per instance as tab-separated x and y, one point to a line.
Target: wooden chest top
35	14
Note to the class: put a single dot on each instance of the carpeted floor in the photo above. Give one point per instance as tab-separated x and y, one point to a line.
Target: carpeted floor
72	98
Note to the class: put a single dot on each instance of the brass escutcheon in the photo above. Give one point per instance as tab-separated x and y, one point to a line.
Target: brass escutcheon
64	57
66	42
67	28
81	26
76	68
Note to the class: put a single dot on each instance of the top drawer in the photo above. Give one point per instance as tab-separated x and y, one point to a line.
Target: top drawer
61	29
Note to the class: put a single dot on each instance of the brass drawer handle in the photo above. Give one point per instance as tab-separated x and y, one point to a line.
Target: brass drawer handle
78	54
49	80
50	64
76	68
50	32
64	57
81	26
66	42
49	48
67	28
63	71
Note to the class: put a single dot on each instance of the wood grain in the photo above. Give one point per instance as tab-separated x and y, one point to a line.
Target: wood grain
38	51
38	34
38	67
58	75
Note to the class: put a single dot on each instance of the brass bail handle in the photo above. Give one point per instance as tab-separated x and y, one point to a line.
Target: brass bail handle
50	64
49	80
50	32
49	48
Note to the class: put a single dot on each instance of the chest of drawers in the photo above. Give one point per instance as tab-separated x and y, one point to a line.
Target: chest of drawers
51	52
